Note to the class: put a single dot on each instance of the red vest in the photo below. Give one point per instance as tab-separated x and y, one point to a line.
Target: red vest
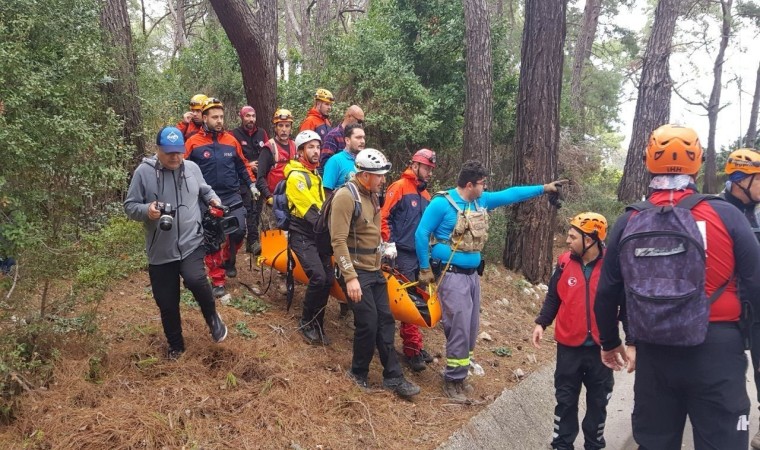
576	311
281	157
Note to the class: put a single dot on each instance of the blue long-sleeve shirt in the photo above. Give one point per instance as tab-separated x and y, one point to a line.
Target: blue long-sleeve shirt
440	217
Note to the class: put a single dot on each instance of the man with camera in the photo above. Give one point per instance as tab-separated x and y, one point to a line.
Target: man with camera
221	160
164	194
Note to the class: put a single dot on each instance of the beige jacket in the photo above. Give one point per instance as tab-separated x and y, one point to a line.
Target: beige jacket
356	245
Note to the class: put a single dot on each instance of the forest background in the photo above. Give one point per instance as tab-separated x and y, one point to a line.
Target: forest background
534	89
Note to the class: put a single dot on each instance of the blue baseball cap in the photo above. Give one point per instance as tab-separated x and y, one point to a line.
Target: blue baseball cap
170	140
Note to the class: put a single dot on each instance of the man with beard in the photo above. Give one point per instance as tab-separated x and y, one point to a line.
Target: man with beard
223	164
317	119
252	139
277	152
305	195
406	200
192	121
341	167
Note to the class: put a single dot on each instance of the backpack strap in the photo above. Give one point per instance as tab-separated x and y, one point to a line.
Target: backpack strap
447	196
273	149
690	201
357	200
718	292
640	206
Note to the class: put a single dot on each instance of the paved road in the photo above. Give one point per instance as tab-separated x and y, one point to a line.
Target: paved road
618	429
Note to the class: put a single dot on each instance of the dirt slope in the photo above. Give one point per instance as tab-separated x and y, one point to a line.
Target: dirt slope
266	390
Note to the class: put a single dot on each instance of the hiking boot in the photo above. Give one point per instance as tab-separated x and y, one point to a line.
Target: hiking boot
322	336
218	291
231	272
755	443
309	332
344	310
174	353
454	389
416	362
218	328
360	381
401	387
427	357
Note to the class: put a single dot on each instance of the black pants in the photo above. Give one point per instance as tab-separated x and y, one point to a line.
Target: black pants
253	209
319	269
704	381
576	366
164	280
375	327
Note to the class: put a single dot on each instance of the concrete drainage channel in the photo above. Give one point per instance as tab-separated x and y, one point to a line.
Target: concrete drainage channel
521	418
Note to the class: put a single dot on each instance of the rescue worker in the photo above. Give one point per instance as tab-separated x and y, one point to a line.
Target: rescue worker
166	185
192	121
405	201
277	152
570	299
251	139
355	244
224	166
706	381
457	221
341	167
743	191
317	119
305	197
335	140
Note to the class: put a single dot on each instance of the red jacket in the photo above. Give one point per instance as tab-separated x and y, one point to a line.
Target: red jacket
575	317
280	157
315	121
188	129
405	201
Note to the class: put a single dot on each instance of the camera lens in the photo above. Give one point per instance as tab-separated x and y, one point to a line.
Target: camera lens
165	222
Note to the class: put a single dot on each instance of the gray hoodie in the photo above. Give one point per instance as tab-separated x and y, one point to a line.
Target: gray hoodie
182	187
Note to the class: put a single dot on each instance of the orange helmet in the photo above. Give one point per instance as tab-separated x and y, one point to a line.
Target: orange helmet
212	102
425	156
592	224
282	115
744	160
673	150
323	95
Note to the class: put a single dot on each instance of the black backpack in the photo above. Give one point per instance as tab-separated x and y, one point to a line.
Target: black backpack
280	208
322	226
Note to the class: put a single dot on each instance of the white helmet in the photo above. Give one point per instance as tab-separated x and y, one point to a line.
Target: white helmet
306	136
372	161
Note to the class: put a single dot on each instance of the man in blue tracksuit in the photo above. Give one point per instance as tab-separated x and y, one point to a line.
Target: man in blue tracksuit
340	167
457	220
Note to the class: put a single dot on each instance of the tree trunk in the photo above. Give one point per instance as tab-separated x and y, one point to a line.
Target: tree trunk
253	34
653	103
177	11
122	93
529	244
582	54
751	139
710	183
478	110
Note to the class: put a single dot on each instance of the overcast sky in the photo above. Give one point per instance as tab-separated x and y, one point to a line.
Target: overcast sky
742	58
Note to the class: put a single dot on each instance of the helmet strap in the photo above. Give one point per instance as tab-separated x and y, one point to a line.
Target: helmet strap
746	190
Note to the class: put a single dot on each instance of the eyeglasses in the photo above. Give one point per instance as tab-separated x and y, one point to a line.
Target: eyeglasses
358	120
484	183
283	117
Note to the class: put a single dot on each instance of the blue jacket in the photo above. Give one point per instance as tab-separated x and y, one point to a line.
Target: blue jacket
440	217
339	169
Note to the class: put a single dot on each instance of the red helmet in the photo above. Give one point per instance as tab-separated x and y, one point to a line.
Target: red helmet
425	156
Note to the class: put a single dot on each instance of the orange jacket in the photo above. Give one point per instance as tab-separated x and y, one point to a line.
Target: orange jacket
188	129
315	121
221	160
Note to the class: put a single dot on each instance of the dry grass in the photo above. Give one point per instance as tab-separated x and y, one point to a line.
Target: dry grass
272	391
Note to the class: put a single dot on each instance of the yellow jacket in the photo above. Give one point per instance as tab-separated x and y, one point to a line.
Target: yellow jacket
305	196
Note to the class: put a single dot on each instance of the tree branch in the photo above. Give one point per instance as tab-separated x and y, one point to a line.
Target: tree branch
692	103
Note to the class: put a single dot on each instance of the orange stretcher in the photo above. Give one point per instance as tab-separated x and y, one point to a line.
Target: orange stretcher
408	302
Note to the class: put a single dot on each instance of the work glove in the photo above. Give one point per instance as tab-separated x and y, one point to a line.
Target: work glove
270	201
255	192
425	278
389	250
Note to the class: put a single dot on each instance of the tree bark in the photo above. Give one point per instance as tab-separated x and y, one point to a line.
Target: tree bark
581	56
751	139
253	34
177	11
710	183
529	244
653	103
122	92
478	110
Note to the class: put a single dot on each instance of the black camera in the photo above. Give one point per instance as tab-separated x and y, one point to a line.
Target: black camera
166	221
217	224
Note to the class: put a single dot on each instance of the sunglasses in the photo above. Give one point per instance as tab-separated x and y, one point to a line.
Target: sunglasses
744	162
